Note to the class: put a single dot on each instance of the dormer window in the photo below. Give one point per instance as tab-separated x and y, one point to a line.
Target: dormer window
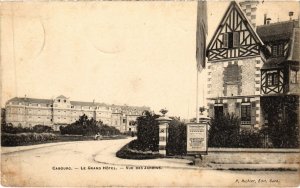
231	40
277	50
272	79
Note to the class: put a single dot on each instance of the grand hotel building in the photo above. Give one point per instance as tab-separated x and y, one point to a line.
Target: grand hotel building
27	112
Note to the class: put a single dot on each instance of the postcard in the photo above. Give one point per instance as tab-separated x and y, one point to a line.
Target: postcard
149	93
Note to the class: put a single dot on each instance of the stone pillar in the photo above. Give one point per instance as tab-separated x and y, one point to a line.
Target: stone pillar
163	134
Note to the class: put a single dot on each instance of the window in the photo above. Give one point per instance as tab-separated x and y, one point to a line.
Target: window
272	79
231	40
218	111
277	50
245	114
294	76
58	100
65	101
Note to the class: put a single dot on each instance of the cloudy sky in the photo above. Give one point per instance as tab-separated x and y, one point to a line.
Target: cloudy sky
134	53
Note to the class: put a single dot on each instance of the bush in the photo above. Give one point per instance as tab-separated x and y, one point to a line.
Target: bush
250	139
147	131
177	138
87	127
21	139
9	128
224	131
283	136
126	153
42	129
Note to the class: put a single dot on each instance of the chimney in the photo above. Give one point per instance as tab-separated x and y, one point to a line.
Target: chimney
249	8
291	15
265	19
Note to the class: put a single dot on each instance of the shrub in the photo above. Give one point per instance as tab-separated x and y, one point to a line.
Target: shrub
250	139
126	153
283	136
176	144
147	131
9	128
20	139
87	127
42	129
224	131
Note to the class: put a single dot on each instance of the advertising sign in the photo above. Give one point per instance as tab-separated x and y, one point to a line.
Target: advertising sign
197	138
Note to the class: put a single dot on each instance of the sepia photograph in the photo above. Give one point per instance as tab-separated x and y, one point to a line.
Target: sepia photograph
150	93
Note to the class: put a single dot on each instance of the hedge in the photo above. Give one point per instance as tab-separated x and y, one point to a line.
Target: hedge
176	144
129	152
147	132
9	128
21	139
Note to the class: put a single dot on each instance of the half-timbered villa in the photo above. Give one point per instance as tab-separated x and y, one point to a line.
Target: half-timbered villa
253	70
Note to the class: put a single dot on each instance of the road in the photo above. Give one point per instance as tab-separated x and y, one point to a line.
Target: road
93	163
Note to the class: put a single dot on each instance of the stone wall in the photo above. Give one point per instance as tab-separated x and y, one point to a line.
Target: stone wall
215	79
249	78
251	156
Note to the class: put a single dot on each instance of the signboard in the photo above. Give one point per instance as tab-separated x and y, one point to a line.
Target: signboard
197	138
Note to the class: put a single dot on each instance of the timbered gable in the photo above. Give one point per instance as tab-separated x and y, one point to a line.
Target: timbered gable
272	81
234	37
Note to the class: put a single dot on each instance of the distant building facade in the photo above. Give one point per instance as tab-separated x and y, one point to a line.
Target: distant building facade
253	70
28	112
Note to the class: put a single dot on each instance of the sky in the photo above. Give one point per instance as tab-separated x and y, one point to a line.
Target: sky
134	53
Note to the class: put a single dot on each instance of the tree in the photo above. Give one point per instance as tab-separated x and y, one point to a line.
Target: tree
147	131
176	144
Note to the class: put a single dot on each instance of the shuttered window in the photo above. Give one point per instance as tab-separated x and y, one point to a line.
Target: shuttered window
225	40
231	40
236	39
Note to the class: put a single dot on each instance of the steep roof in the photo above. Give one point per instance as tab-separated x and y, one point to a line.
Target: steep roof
30	100
295	51
82	103
235	5
277	31
62	97
75	103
